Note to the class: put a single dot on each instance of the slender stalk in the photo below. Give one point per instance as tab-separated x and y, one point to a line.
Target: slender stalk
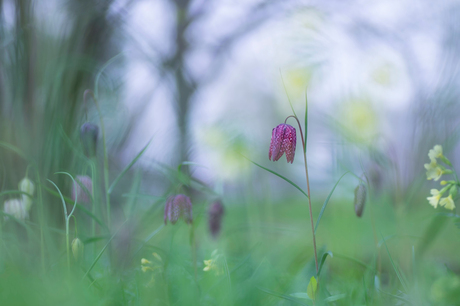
308	190
106	159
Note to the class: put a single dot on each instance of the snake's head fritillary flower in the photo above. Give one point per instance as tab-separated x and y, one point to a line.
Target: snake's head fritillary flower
26	185
360	199
17	208
88	135
283	141
82	194
216	212
178	206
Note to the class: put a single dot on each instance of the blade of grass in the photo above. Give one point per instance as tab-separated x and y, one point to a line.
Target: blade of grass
323	259
306	122
397	271
102	251
285	90
279	175
128	167
327	201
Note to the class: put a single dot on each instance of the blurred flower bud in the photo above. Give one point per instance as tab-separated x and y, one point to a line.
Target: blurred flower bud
78	192
216	212
360	199
26	185
283	141
16	208
77	249
88	137
178	206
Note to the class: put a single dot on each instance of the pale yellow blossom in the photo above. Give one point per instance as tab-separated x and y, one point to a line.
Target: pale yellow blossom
436	152
145	262
433	170
447	202
434	199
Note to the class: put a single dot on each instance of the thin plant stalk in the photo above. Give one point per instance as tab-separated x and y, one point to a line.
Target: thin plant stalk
308	189
106	159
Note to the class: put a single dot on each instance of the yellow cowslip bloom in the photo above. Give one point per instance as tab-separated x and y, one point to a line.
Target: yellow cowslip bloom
209	265
146	268
447	202
434	200
436	152
433	171
145	262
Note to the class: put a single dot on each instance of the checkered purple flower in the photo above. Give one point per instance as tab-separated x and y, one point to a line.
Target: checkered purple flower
283	141
178	206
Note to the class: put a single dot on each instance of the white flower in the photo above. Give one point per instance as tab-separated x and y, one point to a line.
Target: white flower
433	171
434	200
436	152
17	208
447	202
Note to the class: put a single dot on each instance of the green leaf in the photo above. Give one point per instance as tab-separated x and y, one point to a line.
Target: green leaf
327	201
279	175
283	296
323	259
312	287
300	295
128	167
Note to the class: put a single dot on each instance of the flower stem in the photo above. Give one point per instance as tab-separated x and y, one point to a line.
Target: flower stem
308	190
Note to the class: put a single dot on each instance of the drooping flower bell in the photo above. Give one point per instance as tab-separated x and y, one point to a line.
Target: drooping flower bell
77	249
78	192
88	136
216	212
17	208
360	199
26	185
283	141
178	206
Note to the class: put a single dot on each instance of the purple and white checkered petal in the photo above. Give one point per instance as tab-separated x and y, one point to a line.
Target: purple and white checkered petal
278	142
289	143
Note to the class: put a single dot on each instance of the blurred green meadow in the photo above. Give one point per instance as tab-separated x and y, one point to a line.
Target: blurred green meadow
85	181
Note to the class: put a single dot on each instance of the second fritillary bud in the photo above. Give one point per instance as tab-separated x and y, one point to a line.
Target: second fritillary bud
360	199
88	136
77	249
26	185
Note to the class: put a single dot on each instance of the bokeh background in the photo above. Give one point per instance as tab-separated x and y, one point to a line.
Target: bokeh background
206	81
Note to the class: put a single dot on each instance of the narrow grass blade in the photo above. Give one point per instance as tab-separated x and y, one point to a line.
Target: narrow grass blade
282	296
285	90
128	167
96	82
397	271
334	298
327	201
306	121
323	259
359	262
13	148
102	251
279	175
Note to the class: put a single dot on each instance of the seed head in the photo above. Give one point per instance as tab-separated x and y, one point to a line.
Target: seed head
216	212
178	206
283	141
360	199
88	136
82	194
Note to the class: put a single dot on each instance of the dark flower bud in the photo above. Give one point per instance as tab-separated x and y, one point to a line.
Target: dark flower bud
283	141
178	206
360	199
216	212
88	136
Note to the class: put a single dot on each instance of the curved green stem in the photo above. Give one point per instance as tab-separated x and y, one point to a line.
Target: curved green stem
308	189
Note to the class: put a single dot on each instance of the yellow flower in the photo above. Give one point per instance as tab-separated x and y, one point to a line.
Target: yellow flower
447	202
436	152
435	198
146	268
209	265
433	171
145	262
